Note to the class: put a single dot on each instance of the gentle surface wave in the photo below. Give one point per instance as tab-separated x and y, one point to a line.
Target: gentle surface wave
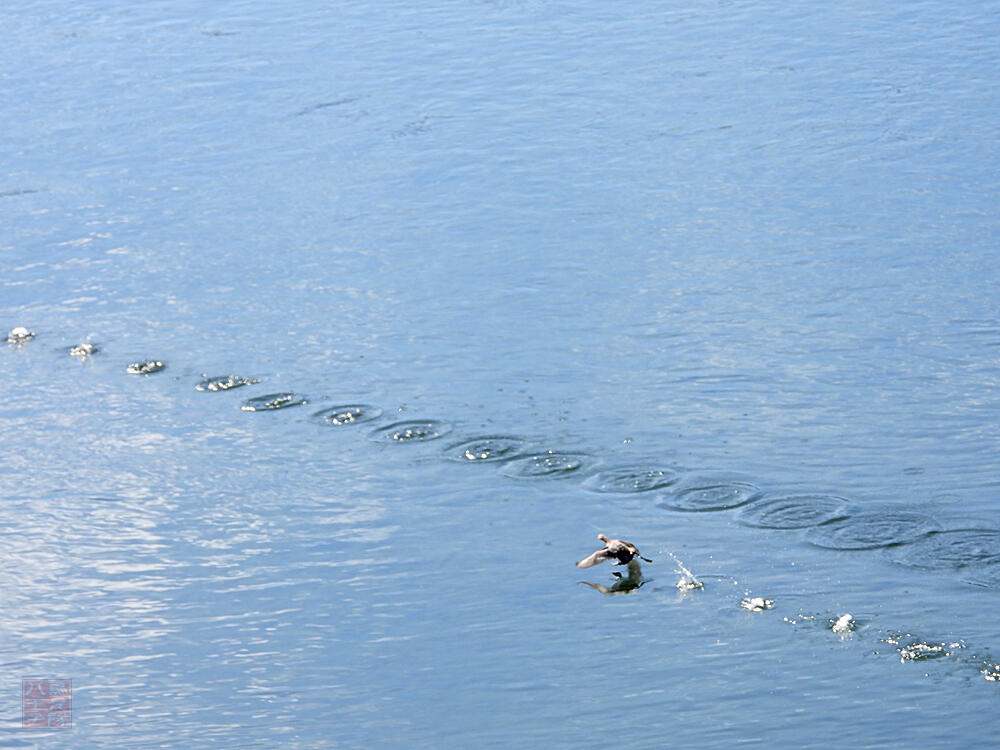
746	244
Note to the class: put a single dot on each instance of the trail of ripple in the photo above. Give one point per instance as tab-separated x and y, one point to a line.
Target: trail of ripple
630	479
224	383
793	511
711	497
871	529
348	414
412	431
915	539
954	548
549	465
273	401
487	449
146	367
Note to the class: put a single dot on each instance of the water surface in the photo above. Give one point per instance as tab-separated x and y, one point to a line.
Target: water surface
535	272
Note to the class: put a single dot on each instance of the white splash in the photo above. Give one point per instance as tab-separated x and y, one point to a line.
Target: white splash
844	625
19	335
757	604
688	581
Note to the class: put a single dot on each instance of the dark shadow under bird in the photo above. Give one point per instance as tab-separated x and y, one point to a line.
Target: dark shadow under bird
624	585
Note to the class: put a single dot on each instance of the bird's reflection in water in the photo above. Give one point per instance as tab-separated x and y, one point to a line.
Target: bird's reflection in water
624	584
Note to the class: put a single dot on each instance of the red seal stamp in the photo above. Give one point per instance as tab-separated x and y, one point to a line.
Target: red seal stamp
46	704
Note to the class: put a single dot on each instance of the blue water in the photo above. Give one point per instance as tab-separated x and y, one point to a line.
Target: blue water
747	246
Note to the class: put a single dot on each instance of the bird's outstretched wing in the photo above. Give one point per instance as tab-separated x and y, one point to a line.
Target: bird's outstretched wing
597	557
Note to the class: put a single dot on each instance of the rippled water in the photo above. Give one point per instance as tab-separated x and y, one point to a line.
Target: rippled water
955	548
711	497
794	512
548	465
629	479
274	401
225	383
412	431
490	449
538	272
348	414
873	528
